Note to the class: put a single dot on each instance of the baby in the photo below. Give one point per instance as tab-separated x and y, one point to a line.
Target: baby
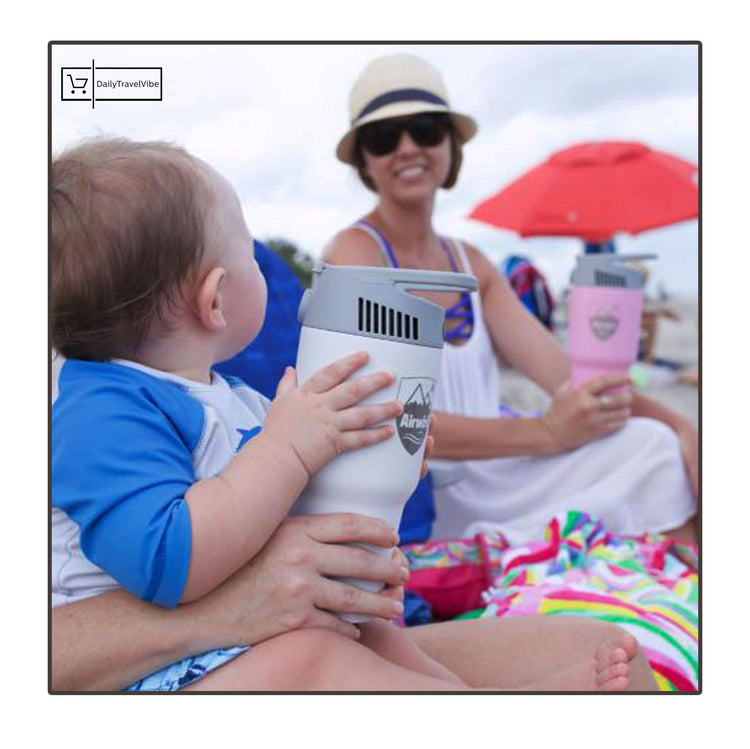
166	477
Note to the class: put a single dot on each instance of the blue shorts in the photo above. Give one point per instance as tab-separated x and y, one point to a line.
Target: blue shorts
180	674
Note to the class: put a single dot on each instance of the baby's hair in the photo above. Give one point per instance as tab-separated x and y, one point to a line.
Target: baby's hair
128	231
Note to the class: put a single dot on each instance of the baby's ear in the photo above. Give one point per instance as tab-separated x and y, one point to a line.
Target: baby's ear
209	300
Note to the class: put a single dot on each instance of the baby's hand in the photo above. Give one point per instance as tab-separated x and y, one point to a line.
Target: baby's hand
320	419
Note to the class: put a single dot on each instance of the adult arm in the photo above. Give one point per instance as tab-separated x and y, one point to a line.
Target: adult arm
109	641
529	347
575	416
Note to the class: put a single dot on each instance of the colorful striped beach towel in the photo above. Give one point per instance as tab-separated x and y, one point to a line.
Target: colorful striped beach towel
647	585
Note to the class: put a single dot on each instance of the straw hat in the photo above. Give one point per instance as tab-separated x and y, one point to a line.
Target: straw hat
395	86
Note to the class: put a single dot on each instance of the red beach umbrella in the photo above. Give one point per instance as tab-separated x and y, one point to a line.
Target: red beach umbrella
594	190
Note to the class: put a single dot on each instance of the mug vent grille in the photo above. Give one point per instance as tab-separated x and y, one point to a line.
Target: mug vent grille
603	278
373	317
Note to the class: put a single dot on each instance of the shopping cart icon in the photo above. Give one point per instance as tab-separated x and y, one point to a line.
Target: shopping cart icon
77	85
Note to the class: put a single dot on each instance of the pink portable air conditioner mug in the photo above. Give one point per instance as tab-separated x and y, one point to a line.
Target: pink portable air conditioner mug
604	315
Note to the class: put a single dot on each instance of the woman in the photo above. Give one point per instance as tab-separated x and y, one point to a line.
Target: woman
586	452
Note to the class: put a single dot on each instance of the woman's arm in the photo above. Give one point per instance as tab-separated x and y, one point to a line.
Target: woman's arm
459	437
109	641
574	417
470	438
519	338
527	345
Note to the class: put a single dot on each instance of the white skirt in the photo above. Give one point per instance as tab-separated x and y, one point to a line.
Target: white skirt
633	480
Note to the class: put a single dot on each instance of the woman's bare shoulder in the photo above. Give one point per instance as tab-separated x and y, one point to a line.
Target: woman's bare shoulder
475	255
481	266
352	247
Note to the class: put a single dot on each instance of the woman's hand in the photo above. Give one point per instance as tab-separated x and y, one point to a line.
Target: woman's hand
690	443
578	416
320	419
287	585
429	444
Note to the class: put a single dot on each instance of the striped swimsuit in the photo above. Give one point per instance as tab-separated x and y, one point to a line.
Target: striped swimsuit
462	310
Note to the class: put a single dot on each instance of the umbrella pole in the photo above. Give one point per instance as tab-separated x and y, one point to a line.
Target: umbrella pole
594	248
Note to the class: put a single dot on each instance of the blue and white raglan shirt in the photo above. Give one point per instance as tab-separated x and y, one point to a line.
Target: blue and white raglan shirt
128	442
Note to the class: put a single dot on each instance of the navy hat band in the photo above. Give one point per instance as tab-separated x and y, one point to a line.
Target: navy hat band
402	94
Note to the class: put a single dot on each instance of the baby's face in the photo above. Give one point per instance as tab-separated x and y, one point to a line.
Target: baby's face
243	291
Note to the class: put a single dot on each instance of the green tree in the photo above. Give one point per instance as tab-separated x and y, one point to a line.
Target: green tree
299	261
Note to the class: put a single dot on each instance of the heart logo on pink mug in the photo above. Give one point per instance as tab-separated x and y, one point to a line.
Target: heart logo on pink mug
604	325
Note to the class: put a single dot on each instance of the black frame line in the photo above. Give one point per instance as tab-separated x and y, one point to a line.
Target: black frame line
369	42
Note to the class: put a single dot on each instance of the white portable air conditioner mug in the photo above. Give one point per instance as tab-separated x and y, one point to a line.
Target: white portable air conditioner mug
351	309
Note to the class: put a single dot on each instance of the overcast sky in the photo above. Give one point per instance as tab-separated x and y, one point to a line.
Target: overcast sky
268	117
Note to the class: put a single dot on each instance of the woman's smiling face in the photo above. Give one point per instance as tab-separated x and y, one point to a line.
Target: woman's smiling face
410	172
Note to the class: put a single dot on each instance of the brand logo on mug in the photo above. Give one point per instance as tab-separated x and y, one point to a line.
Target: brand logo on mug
604	324
416	395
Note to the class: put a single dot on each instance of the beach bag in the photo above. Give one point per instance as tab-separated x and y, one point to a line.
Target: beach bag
530	287
451	575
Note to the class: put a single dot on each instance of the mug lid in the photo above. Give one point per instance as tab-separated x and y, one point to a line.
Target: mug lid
376	303
609	270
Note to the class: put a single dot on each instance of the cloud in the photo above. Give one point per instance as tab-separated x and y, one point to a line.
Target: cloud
269	116
569	79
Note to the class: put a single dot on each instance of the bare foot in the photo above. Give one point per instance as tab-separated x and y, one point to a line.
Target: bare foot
613	663
607	671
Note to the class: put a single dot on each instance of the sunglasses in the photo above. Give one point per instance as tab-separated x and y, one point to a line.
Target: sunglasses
382	138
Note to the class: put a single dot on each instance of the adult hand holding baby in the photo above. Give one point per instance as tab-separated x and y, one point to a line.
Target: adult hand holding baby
287	586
